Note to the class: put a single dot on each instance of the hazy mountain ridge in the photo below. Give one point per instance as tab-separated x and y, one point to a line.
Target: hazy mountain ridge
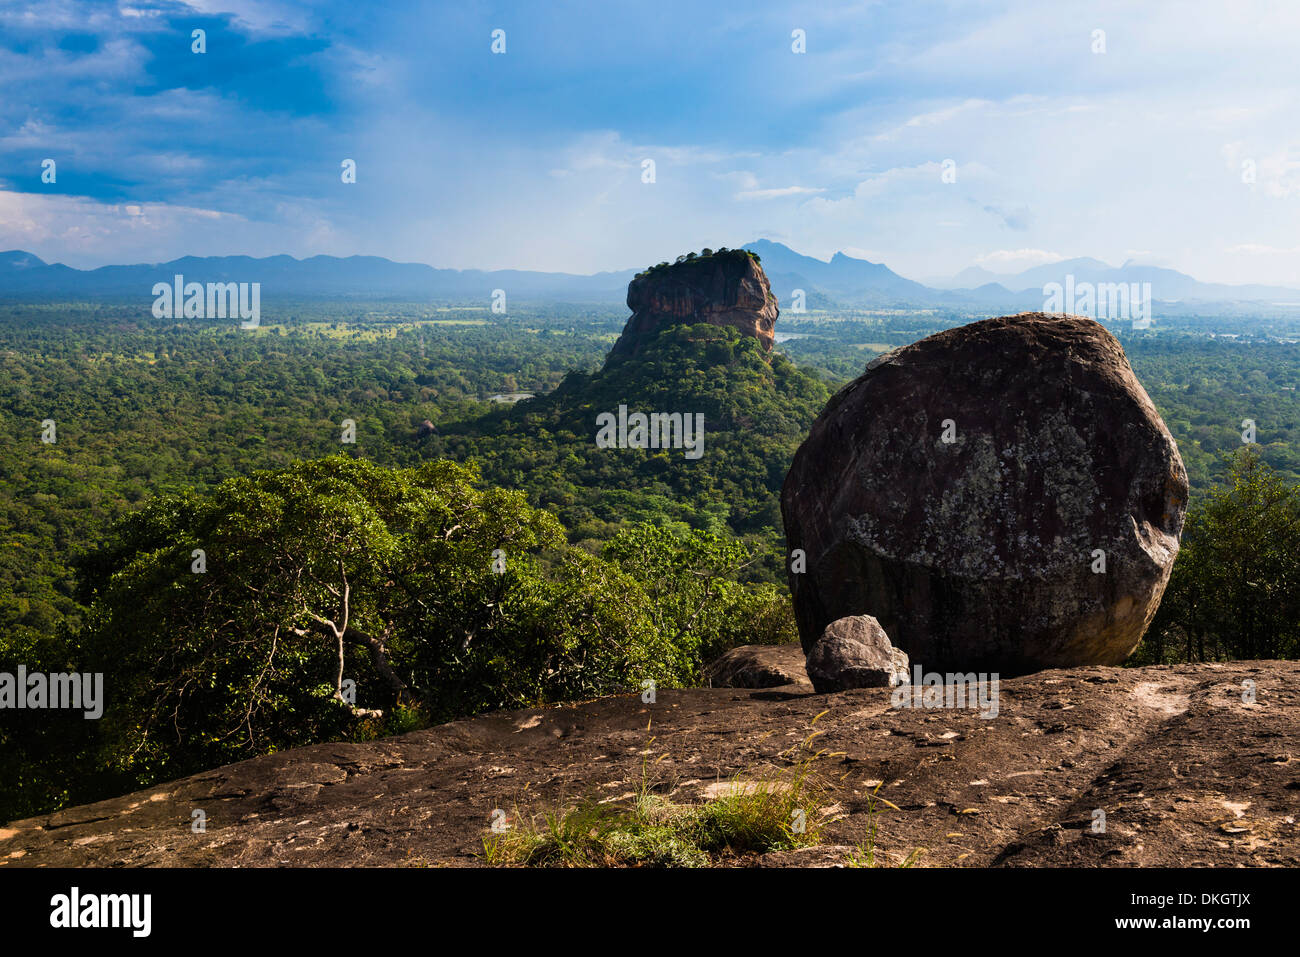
1166	284
21	274
842	281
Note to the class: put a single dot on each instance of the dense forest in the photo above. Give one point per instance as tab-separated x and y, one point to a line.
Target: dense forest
756	411
293	457
142	406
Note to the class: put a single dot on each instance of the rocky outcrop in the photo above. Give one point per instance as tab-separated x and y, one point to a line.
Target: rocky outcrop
1186	771
723	289
1001	496
855	652
759	666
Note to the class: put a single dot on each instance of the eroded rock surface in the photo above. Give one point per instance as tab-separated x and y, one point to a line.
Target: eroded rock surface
725	289
1186	771
966	489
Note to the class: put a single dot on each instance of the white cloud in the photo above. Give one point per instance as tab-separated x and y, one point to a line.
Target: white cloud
936	117
80	231
1115	156
264	16
778	193
1262	249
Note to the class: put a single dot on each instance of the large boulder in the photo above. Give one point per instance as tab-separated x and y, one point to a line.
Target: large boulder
722	289
855	652
1001	496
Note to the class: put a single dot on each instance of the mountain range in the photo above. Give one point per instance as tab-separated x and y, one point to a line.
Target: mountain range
843	281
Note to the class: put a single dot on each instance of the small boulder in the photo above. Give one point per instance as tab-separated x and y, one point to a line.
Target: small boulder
855	652
759	666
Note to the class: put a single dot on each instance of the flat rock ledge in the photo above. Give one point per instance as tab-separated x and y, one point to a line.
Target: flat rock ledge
1187	773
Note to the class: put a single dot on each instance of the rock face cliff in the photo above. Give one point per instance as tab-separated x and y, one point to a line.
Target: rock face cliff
1002	497
722	289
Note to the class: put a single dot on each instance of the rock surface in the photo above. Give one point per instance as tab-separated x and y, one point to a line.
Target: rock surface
759	666
725	289
979	553
1187	773
855	652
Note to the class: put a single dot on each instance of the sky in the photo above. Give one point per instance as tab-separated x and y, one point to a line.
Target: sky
1170	137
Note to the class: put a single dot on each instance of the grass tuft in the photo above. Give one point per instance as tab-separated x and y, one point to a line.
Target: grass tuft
776	812
864	855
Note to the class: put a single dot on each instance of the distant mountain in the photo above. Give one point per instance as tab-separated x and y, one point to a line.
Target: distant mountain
972	277
17	259
841	282
1167	285
843	279
22	274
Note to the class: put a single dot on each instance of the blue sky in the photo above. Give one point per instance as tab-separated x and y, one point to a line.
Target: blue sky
533	159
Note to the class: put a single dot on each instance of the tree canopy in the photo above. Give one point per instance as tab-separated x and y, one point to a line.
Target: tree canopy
336	598
1235	588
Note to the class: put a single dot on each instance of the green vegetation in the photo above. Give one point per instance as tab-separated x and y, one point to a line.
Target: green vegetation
620	564
656	832
143	407
722	252
1204	387
337	598
1235	589
769	813
864	854
756	411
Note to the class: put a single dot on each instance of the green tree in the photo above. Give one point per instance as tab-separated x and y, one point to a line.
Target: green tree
694	598
1235	588
337	595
